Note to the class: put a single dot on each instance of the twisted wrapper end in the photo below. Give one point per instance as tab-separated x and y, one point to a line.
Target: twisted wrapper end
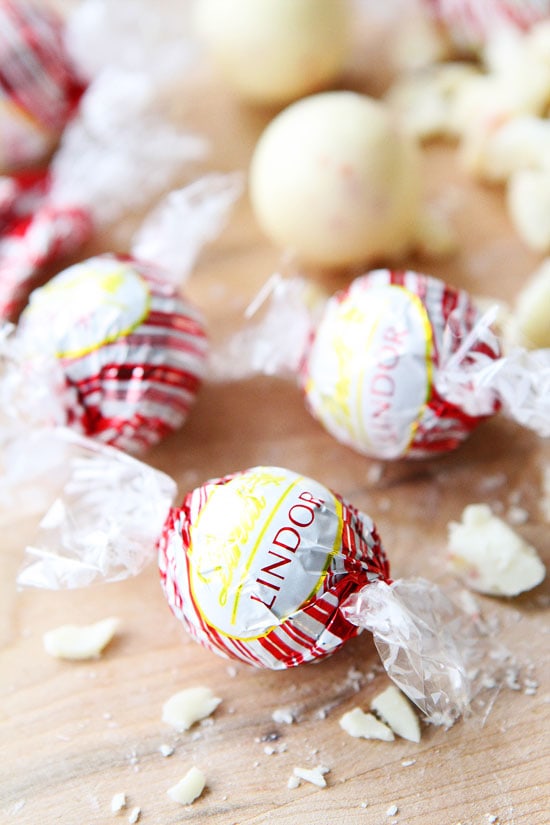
104	523
430	648
277	330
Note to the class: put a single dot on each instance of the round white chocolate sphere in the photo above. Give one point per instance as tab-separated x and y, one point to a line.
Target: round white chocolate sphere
274	51
334	181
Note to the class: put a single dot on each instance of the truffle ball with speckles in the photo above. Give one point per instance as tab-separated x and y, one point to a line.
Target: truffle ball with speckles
335	182
275	51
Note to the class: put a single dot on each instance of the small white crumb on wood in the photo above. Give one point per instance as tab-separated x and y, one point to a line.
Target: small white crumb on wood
316	776
166	750
283	716
395	709
490	556
392	810
491	818
118	802
365	726
293	782
18	806
135	814
188	706
189	788
80	641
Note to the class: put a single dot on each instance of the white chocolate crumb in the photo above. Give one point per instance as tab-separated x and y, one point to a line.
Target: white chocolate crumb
490	556
188	706
364	804
293	782
392	810
316	776
283	716
166	750
269	750
135	814
189	788
118	802
517	515
396	711
18	806
491	818
80	642
365	726
406	763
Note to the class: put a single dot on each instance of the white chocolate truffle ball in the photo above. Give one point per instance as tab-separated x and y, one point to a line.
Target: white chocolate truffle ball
333	180
274	51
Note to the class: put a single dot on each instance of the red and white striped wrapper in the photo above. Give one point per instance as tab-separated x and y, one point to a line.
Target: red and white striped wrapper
471	23
372	369
132	350
31	242
257	565
39	87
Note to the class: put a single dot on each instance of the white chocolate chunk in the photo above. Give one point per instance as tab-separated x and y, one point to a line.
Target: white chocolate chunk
80	641
490	556
533	309
365	726
396	710
118	802
189	788
528	201
426	101
316	776
188	706
135	815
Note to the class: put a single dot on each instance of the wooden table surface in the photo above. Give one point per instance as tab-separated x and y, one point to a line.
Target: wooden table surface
74	734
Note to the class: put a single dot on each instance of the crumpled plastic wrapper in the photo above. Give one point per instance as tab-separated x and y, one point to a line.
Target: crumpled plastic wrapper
399	364
105	521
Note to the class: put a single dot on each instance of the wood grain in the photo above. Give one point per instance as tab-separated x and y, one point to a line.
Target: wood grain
74	734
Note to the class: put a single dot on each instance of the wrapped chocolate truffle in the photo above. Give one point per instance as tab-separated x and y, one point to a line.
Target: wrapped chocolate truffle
128	351
471	24
399	364
266	566
39	84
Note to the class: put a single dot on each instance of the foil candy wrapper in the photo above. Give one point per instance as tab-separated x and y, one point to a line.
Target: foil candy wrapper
265	566
40	86
399	364
130	349
471	24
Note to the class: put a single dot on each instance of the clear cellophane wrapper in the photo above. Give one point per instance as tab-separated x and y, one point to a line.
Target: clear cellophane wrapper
518	381
105	519
275	332
441	657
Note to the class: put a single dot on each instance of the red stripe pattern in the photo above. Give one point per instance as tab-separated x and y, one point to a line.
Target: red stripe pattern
471	22
313	630
35	71
130	387
437	424
31	241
